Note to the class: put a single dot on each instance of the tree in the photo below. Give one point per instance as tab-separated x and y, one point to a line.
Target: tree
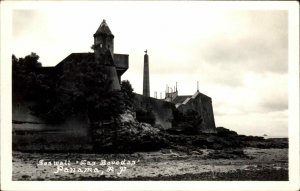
24	76
128	94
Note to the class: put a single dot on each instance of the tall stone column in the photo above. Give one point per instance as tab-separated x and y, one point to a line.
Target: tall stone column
146	83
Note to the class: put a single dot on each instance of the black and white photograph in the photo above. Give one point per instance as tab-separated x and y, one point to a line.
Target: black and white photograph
151	91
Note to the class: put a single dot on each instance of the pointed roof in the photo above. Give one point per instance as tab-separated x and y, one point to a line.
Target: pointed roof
103	29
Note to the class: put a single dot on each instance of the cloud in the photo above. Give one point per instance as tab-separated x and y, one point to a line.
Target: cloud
275	105
23	21
272	123
260	95
271	91
248	41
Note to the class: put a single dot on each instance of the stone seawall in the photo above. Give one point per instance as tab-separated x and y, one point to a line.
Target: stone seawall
30	133
162	110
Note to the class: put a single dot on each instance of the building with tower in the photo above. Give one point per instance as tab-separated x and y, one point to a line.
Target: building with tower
198	102
115	65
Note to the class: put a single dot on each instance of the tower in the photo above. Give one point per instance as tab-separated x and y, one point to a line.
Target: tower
104	54
103	41
146	83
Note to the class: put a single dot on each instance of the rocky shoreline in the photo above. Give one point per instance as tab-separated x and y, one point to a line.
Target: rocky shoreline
166	164
127	135
154	154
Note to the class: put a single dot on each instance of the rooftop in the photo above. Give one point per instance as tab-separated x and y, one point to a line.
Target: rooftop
180	99
103	29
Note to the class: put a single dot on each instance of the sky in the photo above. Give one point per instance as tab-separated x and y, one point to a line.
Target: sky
239	56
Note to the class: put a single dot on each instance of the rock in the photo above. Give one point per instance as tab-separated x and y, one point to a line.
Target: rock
128	136
127	117
227	154
224	131
26	176
196	152
165	151
257	142
183	128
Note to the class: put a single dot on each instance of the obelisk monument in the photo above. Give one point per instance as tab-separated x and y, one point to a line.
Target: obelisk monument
146	83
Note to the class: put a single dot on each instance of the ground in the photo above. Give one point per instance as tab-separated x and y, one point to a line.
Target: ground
166	164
